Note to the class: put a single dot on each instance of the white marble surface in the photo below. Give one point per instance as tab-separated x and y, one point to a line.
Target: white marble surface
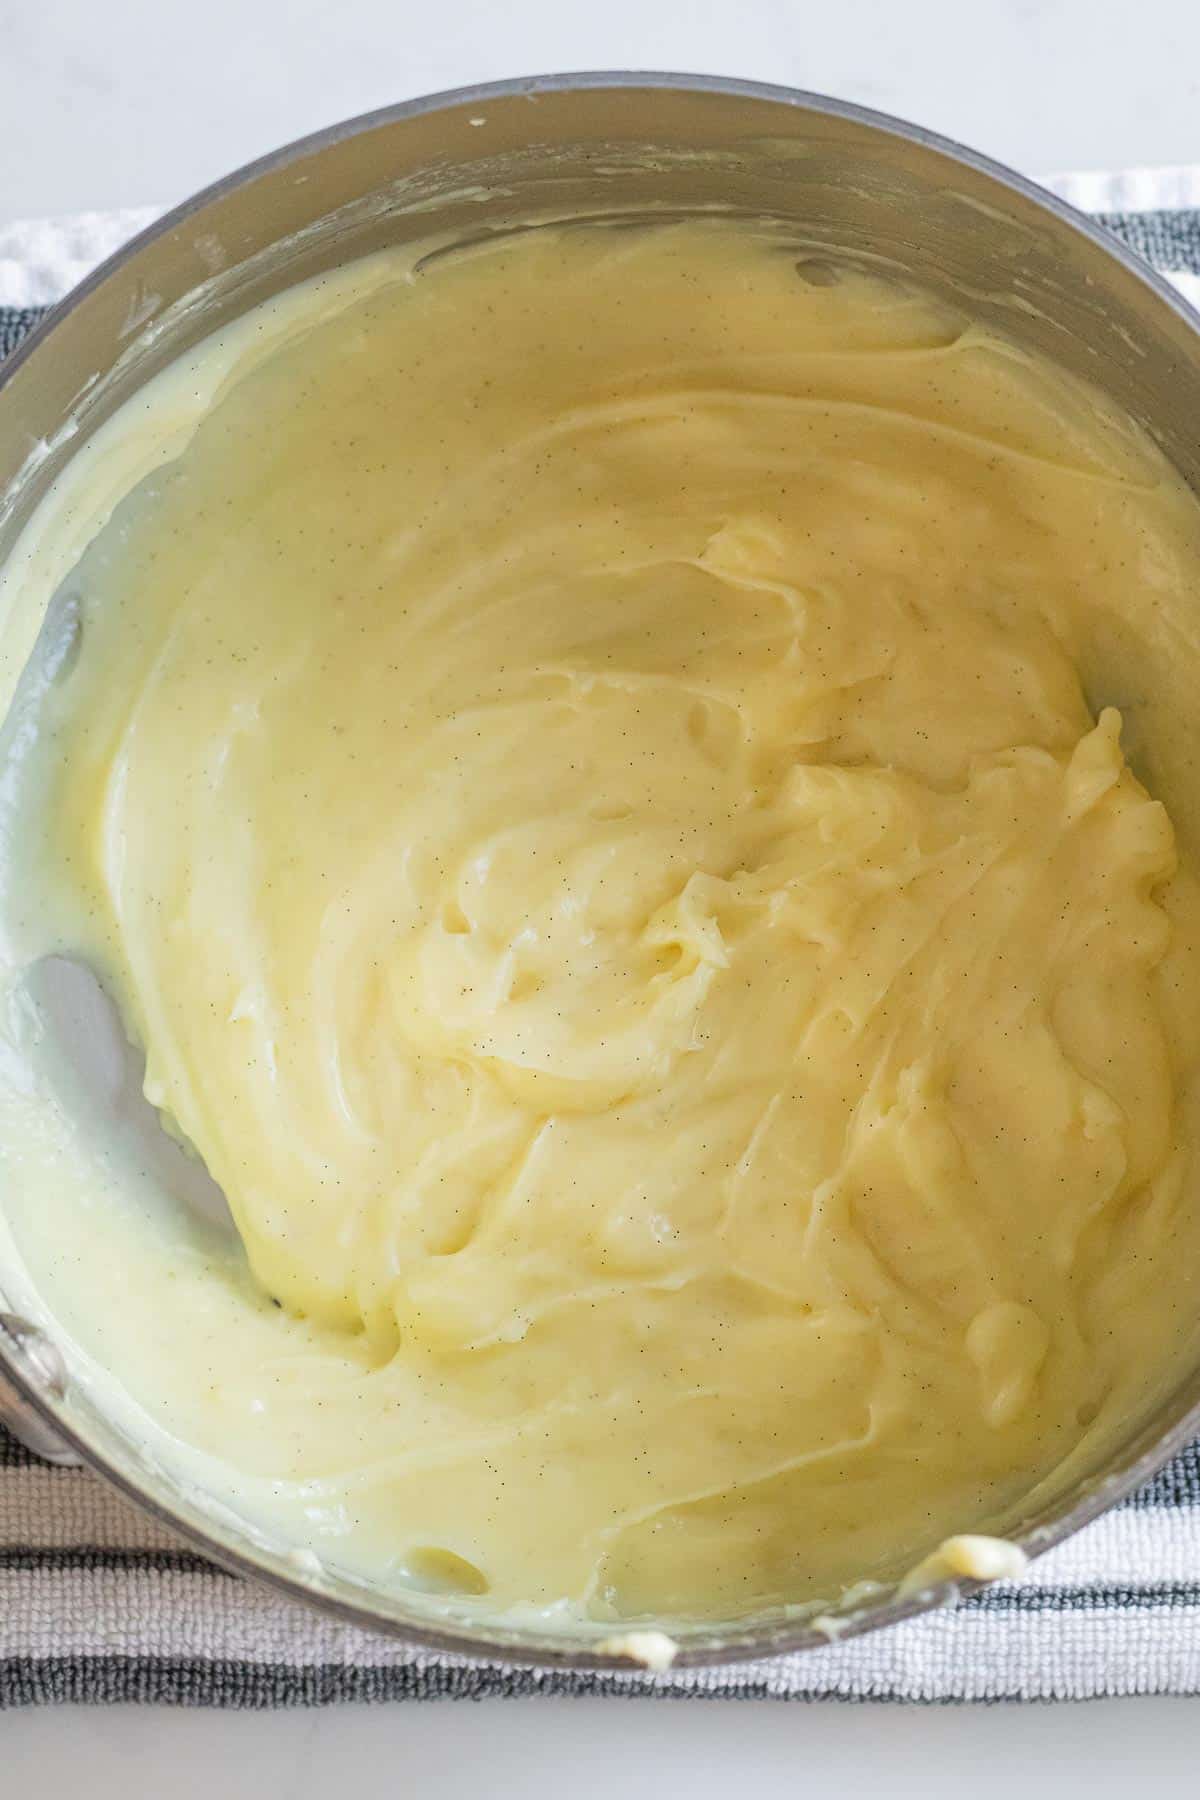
125	103
588	1749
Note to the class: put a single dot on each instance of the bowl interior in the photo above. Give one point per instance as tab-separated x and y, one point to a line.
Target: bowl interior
848	185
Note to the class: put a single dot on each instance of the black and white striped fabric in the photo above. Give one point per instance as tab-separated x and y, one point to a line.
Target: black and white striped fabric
98	1604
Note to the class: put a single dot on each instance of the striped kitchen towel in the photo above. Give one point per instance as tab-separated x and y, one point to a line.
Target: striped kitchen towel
98	1603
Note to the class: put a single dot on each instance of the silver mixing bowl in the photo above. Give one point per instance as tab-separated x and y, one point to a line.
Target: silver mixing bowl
853	184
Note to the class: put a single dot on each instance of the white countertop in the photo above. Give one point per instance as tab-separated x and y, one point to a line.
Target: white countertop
127	104
622	1750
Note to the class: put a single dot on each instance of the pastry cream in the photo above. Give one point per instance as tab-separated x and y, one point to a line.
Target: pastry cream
593	767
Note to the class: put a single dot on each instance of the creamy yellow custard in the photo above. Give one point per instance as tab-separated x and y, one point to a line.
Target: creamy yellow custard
594	769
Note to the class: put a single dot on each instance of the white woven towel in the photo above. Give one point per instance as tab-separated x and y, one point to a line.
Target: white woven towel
96	1603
